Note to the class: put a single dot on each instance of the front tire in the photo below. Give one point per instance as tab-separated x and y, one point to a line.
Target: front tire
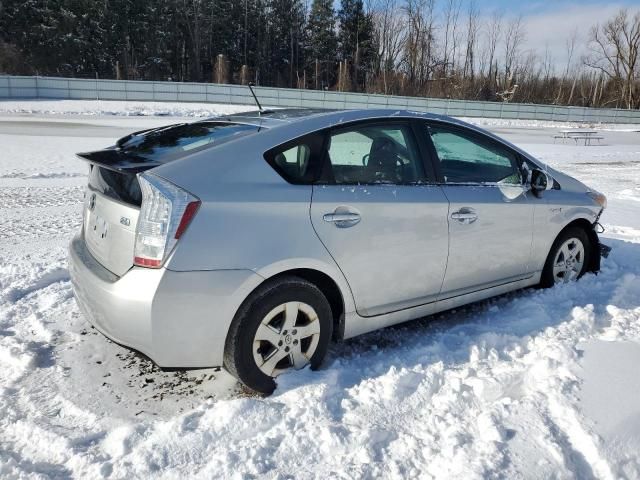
285	324
568	259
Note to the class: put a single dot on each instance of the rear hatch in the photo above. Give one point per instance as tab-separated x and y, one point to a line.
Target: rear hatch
113	198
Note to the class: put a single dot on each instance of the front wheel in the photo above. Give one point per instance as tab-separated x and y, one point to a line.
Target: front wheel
568	259
284	325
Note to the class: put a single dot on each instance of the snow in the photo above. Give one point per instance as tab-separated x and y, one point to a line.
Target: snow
118	108
610	395
536	383
506	122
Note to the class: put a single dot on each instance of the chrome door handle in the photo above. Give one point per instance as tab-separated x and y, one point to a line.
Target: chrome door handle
465	215
342	219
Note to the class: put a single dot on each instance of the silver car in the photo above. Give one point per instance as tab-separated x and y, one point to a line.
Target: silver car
251	241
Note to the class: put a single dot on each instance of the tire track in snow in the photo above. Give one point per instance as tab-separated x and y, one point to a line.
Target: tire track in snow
40	196
40	223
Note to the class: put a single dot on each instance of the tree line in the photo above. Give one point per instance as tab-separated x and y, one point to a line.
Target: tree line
444	48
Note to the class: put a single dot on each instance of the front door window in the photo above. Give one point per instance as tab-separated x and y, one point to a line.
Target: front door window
465	158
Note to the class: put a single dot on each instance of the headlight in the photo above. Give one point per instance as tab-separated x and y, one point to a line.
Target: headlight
599	198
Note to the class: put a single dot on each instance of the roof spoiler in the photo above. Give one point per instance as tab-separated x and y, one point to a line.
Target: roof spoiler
118	161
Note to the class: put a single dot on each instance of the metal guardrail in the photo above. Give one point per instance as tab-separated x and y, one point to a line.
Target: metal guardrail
15	87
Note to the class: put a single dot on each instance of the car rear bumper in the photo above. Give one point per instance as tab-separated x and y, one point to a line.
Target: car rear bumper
178	319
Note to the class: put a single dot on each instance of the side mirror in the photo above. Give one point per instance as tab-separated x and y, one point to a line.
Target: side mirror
540	181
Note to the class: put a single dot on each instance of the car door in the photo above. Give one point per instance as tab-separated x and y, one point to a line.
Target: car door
490	209
380	218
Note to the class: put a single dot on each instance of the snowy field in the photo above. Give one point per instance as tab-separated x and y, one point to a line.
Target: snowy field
535	384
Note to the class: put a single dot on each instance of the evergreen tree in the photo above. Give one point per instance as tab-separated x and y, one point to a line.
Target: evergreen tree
285	25
38	30
322	44
356	40
250	34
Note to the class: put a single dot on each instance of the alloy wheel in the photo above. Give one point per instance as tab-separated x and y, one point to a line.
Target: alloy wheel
569	261
287	337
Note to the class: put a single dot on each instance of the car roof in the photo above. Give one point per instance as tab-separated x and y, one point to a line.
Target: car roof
290	123
270	118
320	117
286	124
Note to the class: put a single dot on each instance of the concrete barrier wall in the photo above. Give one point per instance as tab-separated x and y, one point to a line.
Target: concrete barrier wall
15	87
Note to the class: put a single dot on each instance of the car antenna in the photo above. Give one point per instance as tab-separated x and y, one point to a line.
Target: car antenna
255	98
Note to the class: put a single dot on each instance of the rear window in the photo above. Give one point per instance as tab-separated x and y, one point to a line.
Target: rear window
120	186
172	142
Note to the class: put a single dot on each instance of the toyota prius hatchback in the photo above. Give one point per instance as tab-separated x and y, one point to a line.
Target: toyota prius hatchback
252	241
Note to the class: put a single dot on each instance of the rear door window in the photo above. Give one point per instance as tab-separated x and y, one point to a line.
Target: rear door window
375	153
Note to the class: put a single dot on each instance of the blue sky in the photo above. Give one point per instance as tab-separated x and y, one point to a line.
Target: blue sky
534	7
549	24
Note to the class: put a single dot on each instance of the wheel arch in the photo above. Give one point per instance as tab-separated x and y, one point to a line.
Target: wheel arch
329	289
332	289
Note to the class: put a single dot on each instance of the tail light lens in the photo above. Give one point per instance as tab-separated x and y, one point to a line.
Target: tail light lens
165	214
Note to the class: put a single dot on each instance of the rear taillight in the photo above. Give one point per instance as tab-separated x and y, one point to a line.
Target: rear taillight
165	214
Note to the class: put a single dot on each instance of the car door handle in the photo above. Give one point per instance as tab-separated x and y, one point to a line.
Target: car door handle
465	215
342	220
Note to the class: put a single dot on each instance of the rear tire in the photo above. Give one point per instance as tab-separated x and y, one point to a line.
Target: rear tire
285	324
569	258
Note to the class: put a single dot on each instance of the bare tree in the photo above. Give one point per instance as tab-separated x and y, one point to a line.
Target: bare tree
451	34
514	35
614	50
472	37
494	32
570	46
547	64
419	42
390	37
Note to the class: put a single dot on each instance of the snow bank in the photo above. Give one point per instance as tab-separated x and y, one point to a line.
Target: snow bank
118	108
506	122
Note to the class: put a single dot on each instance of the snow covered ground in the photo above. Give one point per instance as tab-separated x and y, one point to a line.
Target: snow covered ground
116	108
535	384
146	109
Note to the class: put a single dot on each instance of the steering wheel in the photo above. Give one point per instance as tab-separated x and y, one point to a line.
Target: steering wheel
365	159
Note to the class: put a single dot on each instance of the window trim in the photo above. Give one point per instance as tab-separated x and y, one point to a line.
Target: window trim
413	141
482	139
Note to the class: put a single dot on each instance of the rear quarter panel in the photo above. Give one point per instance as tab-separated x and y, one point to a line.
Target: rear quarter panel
262	227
